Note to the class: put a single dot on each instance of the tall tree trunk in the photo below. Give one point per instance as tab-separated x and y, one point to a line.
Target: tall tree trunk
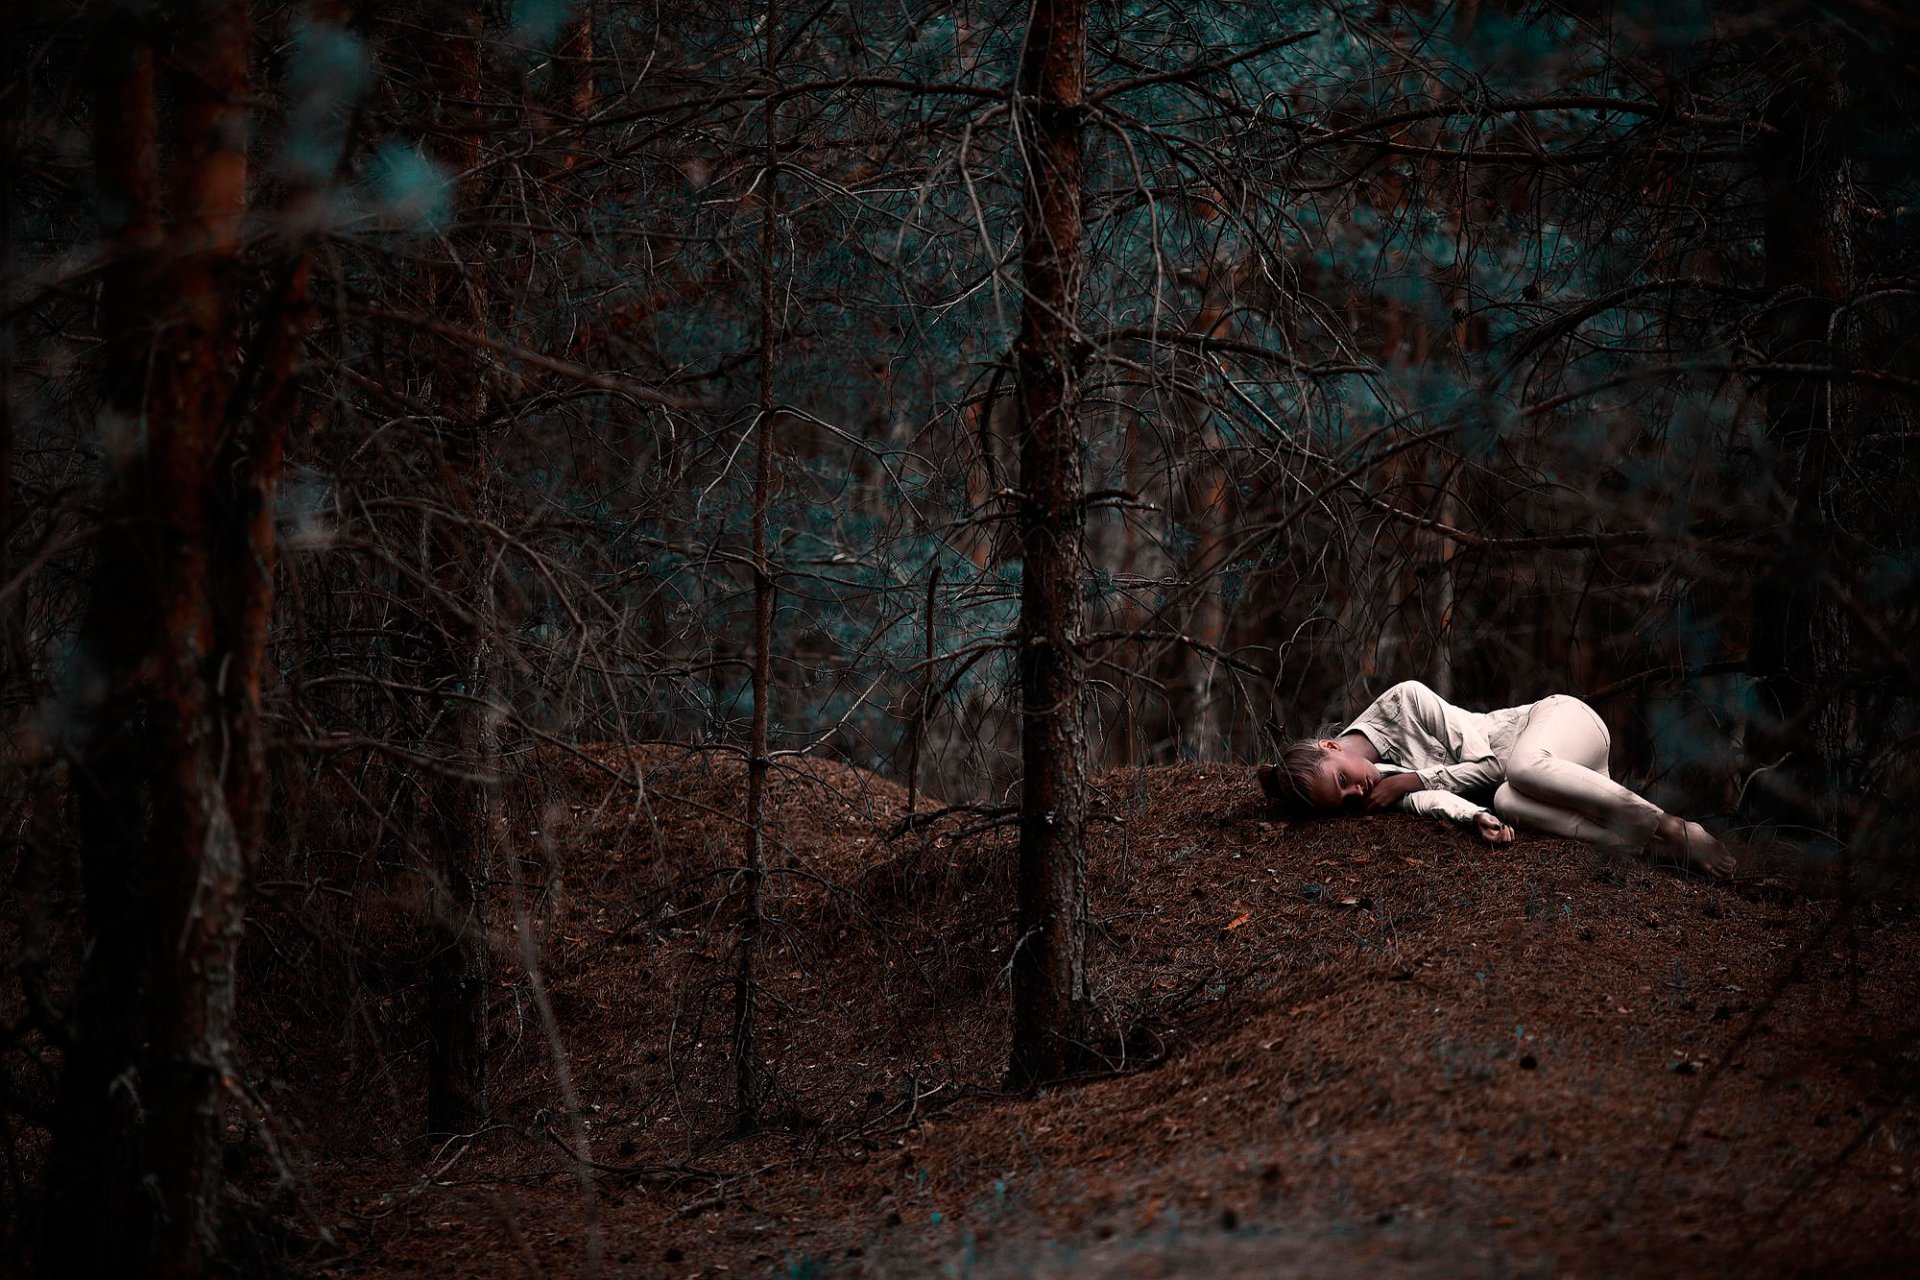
1470	341
1801	637
249	469
1049	951
1440	666
16	665
1198	501
93	1173
459	828
745	997
133	1173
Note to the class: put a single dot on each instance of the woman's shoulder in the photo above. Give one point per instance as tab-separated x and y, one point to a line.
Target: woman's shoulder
1413	692
1401	709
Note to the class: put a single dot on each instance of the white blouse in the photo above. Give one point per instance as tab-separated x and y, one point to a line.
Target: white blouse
1461	756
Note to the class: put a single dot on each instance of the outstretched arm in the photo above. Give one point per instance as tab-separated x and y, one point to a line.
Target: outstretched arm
1407	793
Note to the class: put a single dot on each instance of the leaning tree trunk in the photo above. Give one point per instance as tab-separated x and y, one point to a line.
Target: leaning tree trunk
1800	637
1049	952
133	1173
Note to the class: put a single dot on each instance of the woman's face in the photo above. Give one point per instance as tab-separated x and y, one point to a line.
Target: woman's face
1342	780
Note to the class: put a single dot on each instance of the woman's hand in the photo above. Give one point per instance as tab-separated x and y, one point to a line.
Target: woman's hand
1491	829
1390	788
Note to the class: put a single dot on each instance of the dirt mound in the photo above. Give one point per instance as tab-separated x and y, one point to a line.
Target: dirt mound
1370	1043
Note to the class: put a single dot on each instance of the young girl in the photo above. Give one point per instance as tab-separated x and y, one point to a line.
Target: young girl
1544	766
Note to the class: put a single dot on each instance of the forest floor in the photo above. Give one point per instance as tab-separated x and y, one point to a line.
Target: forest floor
1363	1046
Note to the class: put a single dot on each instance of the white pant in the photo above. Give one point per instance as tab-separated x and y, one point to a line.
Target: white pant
1557	781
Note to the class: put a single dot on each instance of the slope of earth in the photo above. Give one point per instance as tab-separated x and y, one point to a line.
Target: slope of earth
1363	1045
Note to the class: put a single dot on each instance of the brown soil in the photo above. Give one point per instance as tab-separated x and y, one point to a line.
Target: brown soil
1364	1045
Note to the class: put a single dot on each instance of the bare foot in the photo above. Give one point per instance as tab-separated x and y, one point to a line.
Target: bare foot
1695	847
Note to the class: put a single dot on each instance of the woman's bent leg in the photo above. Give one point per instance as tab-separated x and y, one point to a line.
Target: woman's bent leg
1559	762
1528	814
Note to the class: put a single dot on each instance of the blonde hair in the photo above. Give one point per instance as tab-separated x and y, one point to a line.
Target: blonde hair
1287	782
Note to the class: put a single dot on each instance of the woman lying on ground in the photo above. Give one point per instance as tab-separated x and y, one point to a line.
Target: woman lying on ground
1544	767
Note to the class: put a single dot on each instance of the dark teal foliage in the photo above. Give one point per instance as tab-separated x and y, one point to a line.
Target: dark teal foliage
409	191
328	70
1415	320
536	23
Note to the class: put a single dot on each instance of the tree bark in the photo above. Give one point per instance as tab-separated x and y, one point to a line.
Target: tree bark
133	1173
1049	951
746	1060
1801	639
459	824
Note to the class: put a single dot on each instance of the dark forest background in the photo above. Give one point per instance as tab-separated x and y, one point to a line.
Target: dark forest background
404	397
